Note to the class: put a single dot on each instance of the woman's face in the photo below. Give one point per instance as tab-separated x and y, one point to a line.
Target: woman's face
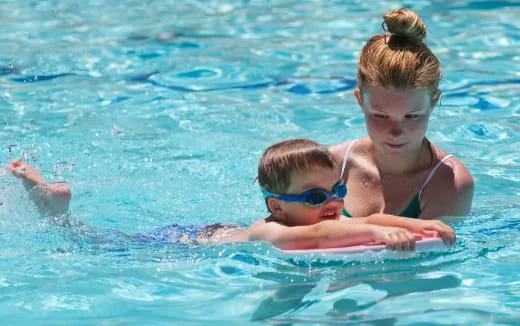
396	120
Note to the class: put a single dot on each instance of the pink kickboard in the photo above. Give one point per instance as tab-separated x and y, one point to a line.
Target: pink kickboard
420	245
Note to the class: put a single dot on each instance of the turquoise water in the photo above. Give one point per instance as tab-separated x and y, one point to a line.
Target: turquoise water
157	114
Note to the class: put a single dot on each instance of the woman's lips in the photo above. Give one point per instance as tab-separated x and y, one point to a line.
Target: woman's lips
395	145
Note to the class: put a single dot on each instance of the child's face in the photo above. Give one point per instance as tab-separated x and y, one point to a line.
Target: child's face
296	213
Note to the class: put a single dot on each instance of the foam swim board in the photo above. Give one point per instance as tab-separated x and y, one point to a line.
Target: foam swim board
424	244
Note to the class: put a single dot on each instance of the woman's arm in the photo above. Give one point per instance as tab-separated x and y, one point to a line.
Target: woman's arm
425	227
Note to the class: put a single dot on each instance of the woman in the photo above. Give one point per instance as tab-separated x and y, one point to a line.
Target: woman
396	169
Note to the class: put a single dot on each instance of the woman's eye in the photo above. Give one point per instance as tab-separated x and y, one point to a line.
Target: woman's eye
411	116
380	116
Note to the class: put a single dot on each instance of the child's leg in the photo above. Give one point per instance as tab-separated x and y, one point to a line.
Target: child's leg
51	199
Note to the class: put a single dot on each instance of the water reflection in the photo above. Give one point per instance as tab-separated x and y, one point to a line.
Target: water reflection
347	295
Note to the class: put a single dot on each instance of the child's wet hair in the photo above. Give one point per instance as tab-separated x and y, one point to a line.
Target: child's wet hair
399	59
281	160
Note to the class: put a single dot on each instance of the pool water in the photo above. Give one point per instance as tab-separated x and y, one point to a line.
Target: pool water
157	113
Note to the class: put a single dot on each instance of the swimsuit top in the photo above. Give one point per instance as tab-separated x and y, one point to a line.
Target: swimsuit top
414	208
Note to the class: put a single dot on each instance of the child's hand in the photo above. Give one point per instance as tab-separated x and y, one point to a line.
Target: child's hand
396	238
434	227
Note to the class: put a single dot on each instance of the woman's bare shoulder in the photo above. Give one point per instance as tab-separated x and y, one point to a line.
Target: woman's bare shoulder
338	150
454	170
450	191
462	177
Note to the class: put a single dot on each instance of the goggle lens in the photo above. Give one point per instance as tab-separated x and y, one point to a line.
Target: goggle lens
316	197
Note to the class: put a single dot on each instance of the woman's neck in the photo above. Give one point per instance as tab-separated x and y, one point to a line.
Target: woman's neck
405	163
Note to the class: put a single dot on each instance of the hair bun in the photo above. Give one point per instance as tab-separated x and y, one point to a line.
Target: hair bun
405	23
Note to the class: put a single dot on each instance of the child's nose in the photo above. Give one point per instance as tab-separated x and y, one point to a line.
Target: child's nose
335	202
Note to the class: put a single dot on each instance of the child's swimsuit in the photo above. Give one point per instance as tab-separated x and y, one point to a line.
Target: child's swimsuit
413	209
176	232
171	233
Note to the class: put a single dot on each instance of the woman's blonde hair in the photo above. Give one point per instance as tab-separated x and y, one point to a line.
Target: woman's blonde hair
399	59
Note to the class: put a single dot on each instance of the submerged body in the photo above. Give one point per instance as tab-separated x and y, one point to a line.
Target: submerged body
190	234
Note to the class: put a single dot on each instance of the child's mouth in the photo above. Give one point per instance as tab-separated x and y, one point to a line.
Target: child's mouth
329	215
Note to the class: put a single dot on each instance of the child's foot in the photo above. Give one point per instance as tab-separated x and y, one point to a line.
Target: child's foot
30	175
52	199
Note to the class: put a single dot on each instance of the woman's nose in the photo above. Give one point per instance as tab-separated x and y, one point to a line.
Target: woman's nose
396	128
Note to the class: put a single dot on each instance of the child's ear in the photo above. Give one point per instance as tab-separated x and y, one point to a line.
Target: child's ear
275	208
358	95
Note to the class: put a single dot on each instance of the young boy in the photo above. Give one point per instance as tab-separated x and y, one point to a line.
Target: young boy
301	186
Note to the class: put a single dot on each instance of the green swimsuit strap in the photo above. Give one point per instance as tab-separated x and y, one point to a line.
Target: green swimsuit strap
345	212
413	210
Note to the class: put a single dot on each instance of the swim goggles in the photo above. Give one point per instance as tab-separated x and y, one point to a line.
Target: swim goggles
313	197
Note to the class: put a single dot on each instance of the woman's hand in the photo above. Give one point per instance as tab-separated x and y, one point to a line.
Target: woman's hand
429	228
433	228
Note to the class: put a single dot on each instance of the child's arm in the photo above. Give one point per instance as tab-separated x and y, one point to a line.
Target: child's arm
51	199
426	227
330	234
